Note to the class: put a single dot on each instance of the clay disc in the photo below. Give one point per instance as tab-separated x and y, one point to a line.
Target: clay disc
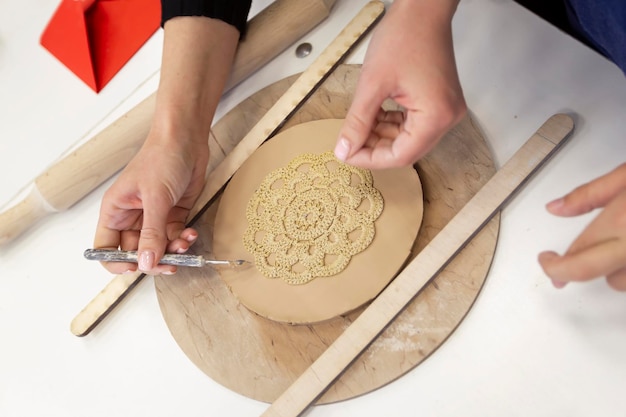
367	272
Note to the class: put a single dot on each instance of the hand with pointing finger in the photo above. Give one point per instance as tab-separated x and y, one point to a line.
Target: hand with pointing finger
410	60
600	250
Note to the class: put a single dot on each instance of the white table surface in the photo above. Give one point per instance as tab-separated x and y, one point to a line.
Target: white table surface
524	349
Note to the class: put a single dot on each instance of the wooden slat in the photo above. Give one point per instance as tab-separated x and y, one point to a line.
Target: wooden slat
432	259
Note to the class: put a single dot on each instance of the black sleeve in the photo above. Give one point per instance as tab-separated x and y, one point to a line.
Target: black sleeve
233	12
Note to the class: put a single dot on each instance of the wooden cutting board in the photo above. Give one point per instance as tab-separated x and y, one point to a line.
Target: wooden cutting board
260	358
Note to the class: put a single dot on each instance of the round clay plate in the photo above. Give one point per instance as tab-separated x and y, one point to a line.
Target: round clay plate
367	272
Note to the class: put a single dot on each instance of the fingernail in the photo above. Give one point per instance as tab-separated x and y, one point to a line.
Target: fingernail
192	237
558	284
146	261
168	273
342	149
555	204
181	250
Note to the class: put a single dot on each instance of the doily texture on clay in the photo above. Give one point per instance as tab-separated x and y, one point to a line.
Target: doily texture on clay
307	219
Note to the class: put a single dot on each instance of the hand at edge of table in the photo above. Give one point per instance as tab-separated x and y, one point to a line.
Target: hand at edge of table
600	250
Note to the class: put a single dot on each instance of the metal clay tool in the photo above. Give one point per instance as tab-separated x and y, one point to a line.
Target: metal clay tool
113	255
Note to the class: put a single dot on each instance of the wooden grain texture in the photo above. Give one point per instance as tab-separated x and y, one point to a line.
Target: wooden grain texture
222	166
260	358
425	267
77	174
263	41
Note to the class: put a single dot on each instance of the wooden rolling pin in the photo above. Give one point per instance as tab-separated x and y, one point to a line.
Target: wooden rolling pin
270	32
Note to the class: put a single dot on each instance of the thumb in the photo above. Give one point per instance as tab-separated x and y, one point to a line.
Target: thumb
360	119
153	236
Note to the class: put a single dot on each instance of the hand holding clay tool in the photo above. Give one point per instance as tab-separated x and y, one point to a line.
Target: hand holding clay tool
113	255
271	122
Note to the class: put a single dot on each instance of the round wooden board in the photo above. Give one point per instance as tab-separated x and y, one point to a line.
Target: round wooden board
366	274
260	358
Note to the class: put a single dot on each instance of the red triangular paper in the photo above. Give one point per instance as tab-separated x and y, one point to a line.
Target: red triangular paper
96	39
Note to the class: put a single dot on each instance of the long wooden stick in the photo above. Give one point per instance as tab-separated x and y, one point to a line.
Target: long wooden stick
77	174
270	123
426	265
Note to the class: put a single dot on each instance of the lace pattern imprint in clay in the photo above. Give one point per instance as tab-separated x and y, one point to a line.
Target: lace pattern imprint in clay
307	219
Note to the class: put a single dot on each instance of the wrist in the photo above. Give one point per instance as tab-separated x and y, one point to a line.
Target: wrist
176	122
429	12
197	56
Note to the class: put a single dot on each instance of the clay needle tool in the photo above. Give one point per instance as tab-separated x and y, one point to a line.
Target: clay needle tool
314	381
306	84
177	259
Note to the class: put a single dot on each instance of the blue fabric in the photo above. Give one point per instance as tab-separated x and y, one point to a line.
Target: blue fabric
603	24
